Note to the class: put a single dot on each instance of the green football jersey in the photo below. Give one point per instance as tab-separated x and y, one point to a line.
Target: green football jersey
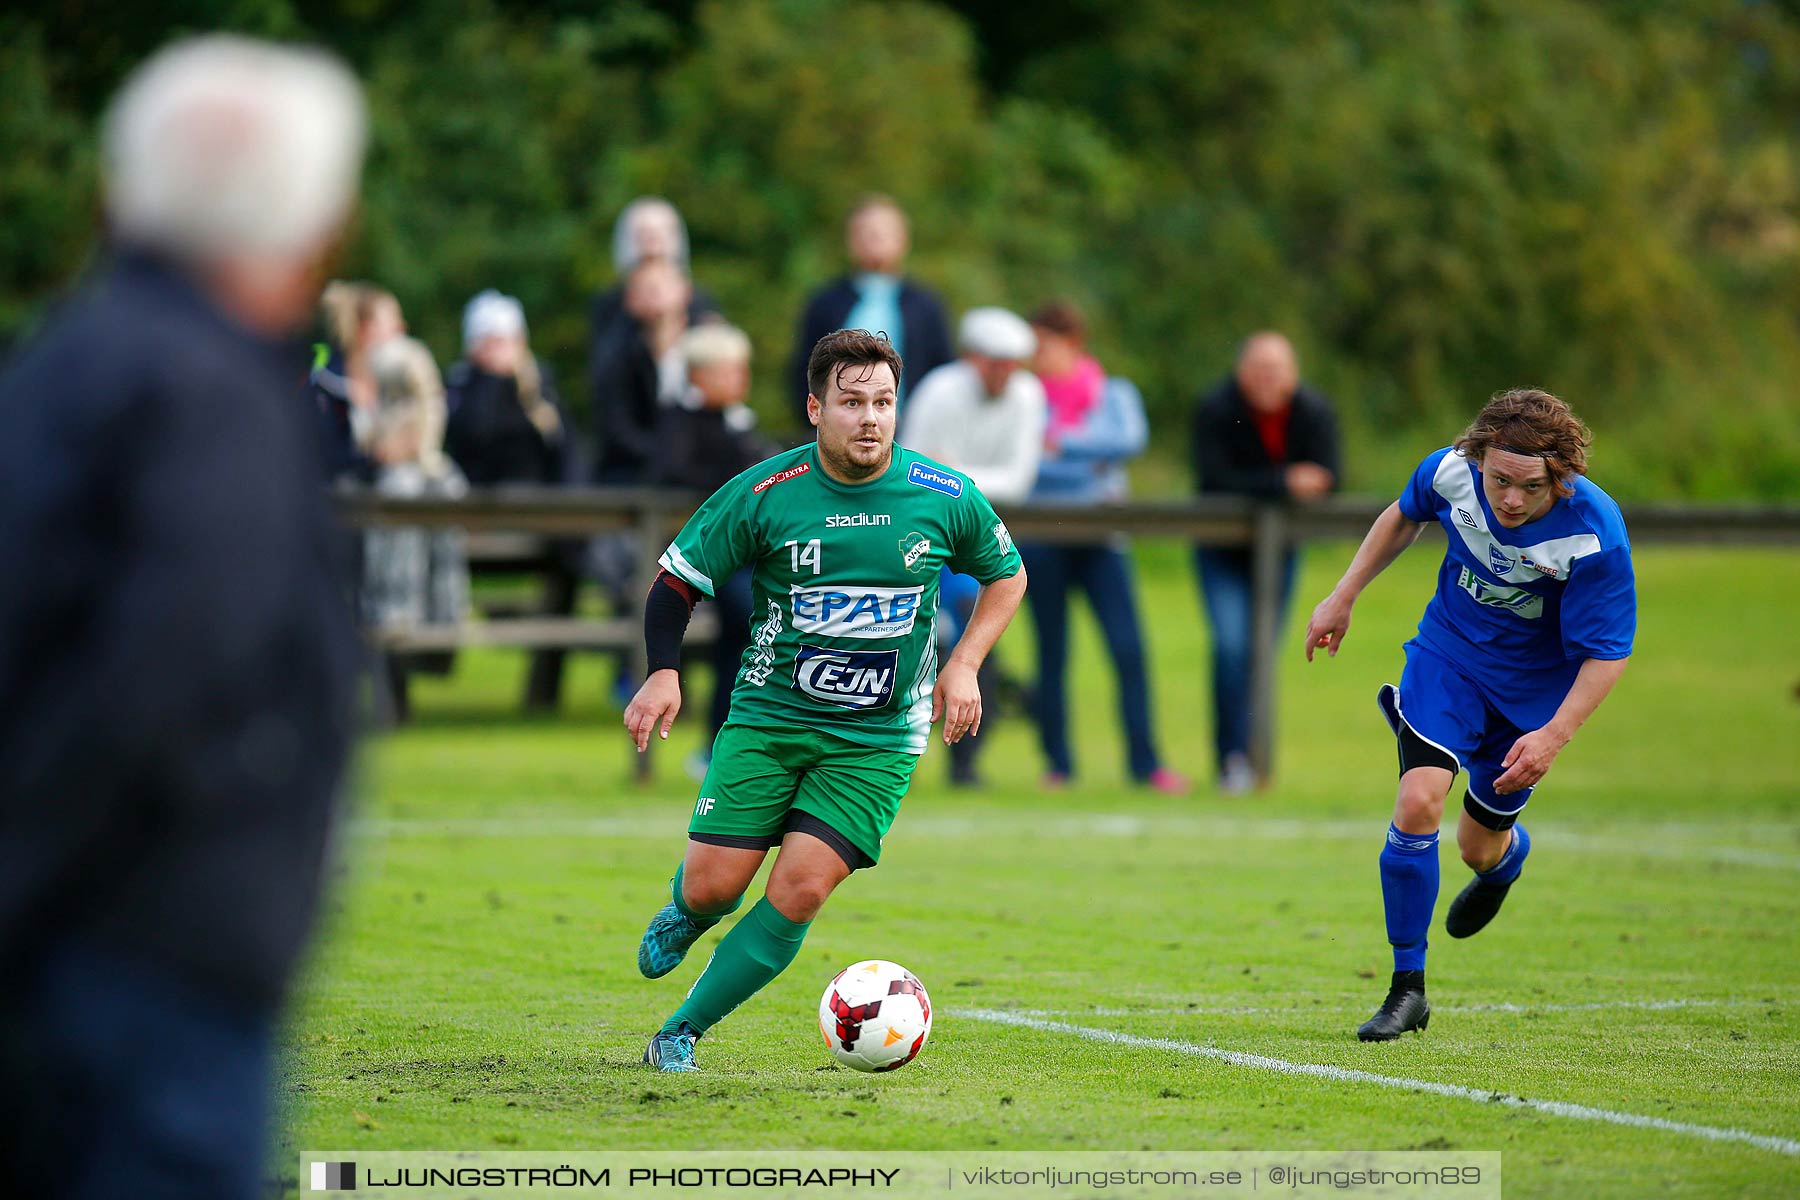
845	580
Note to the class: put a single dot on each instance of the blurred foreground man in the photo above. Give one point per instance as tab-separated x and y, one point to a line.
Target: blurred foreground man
176	660
1529	629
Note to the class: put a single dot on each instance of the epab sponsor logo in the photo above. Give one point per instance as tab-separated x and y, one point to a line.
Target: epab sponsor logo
858	679
856	612
854	520
781	477
936	480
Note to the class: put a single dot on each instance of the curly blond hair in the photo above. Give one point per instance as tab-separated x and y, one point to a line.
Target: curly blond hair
1534	423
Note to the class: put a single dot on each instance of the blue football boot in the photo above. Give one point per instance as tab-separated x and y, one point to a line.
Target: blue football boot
672	1050
670	935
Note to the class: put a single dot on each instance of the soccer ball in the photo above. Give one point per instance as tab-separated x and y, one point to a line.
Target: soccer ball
875	1016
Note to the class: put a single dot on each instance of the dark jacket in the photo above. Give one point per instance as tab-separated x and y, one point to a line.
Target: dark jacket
606	315
177	659
697	448
625	407
925	337
1229	455
489	435
329	391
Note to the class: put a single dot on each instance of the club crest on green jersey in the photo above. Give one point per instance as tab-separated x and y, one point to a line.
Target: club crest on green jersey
915	551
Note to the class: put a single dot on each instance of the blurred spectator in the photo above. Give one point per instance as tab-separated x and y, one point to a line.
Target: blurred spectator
179	674
505	423
875	297
640	370
648	228
412	576
1095	424
983	415
702	447
358	317
1259	432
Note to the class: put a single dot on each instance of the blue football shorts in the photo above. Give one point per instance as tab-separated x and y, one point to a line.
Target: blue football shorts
1445	709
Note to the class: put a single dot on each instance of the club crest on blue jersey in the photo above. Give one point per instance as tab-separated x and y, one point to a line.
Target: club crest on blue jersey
856	612
936	480
1498	561
858	679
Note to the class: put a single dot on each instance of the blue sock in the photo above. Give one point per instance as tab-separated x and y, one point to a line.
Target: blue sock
1507	869
1409	888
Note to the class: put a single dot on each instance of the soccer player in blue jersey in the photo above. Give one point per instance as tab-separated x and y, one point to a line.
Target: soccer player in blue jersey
1529	629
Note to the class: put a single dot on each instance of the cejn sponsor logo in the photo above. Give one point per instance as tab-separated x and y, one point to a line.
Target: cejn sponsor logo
856	612
781	477
855	679
852	520
936	480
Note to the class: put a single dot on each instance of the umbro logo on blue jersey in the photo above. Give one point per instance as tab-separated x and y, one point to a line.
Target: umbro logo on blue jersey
1499	562
936	480
1463	515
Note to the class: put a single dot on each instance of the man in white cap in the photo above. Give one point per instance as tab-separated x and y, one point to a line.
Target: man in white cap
180	675
983	414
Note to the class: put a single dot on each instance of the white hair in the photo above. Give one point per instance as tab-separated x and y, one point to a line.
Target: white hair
222	147
492	313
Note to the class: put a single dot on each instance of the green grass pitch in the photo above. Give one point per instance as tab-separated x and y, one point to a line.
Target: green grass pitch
474	986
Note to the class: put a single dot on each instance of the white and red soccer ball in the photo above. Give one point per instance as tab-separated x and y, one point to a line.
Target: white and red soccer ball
875	1016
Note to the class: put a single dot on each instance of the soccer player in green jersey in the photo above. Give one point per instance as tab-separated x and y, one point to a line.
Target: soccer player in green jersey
840	683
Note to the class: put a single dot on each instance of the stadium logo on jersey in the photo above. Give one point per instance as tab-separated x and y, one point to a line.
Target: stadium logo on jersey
1539	567
859	679
851	520
1498	562
914	548
1463	515
936	480
1003	537
856	612
781	477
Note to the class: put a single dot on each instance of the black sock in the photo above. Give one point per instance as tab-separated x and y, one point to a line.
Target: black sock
1411	980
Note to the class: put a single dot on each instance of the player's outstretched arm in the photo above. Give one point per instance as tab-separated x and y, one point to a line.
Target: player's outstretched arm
667	609
957	697
1530	757
1391	534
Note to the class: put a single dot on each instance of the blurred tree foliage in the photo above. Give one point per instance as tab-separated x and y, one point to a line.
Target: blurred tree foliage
1436	199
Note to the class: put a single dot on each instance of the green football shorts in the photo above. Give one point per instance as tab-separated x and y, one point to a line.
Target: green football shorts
764	782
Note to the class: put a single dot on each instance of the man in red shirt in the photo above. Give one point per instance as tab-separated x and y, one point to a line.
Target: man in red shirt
1259	432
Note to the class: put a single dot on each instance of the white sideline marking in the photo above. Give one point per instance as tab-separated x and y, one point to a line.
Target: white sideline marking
1558	1108
1673	841
1101	1010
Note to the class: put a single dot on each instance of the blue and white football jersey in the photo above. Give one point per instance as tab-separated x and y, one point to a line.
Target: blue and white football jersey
1520	609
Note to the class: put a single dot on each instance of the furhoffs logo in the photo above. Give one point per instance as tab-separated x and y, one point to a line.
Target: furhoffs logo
781	477
334	1177
936	480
